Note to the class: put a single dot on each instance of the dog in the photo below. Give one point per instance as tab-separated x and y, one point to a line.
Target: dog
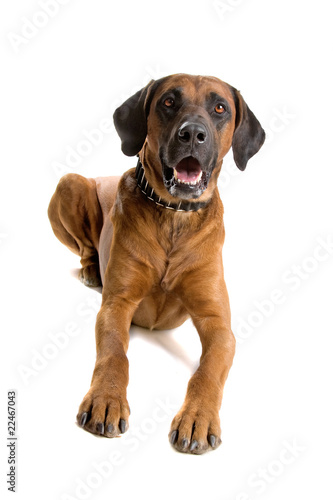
153	239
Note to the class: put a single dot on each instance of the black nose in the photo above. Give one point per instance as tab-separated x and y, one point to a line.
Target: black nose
193	132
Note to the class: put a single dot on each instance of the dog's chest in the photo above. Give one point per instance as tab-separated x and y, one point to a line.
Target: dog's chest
177	251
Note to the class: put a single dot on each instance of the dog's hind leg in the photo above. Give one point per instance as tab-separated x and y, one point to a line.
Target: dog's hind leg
76	219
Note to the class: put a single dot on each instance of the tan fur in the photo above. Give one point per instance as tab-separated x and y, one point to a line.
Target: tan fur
158	268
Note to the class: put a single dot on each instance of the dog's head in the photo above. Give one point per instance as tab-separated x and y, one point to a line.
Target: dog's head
183	126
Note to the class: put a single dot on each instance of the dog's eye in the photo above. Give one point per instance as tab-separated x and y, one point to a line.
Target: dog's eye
169	102
219	108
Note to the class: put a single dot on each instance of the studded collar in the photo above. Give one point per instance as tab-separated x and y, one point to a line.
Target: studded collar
148	191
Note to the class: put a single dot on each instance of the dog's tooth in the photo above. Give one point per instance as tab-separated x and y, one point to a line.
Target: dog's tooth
187	183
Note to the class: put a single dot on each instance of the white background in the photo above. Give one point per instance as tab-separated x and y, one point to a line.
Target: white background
68	77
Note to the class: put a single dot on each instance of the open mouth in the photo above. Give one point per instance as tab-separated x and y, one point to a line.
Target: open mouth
188	171
187	179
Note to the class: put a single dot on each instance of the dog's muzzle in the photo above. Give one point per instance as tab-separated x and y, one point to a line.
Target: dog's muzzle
187	160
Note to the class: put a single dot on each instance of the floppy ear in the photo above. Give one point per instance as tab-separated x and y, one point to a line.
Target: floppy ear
249	136
130	119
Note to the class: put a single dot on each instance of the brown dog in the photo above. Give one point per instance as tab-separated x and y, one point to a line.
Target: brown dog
154	239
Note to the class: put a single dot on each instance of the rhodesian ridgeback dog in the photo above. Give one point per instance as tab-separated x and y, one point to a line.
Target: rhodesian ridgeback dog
153	238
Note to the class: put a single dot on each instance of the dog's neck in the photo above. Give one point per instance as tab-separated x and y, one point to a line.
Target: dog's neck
148	191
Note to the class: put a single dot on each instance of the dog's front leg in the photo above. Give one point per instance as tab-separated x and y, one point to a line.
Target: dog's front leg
104	410
196	427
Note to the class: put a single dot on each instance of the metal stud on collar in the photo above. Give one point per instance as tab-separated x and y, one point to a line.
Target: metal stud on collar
143	185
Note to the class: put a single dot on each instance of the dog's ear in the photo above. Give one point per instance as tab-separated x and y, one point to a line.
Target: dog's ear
249	135
130	119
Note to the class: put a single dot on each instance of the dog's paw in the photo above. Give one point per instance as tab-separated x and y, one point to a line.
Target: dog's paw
90	276
103	414
195	430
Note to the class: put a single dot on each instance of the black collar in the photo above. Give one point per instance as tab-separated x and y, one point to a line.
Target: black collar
148	191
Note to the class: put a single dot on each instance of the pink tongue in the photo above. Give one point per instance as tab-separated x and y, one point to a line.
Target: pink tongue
188	169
